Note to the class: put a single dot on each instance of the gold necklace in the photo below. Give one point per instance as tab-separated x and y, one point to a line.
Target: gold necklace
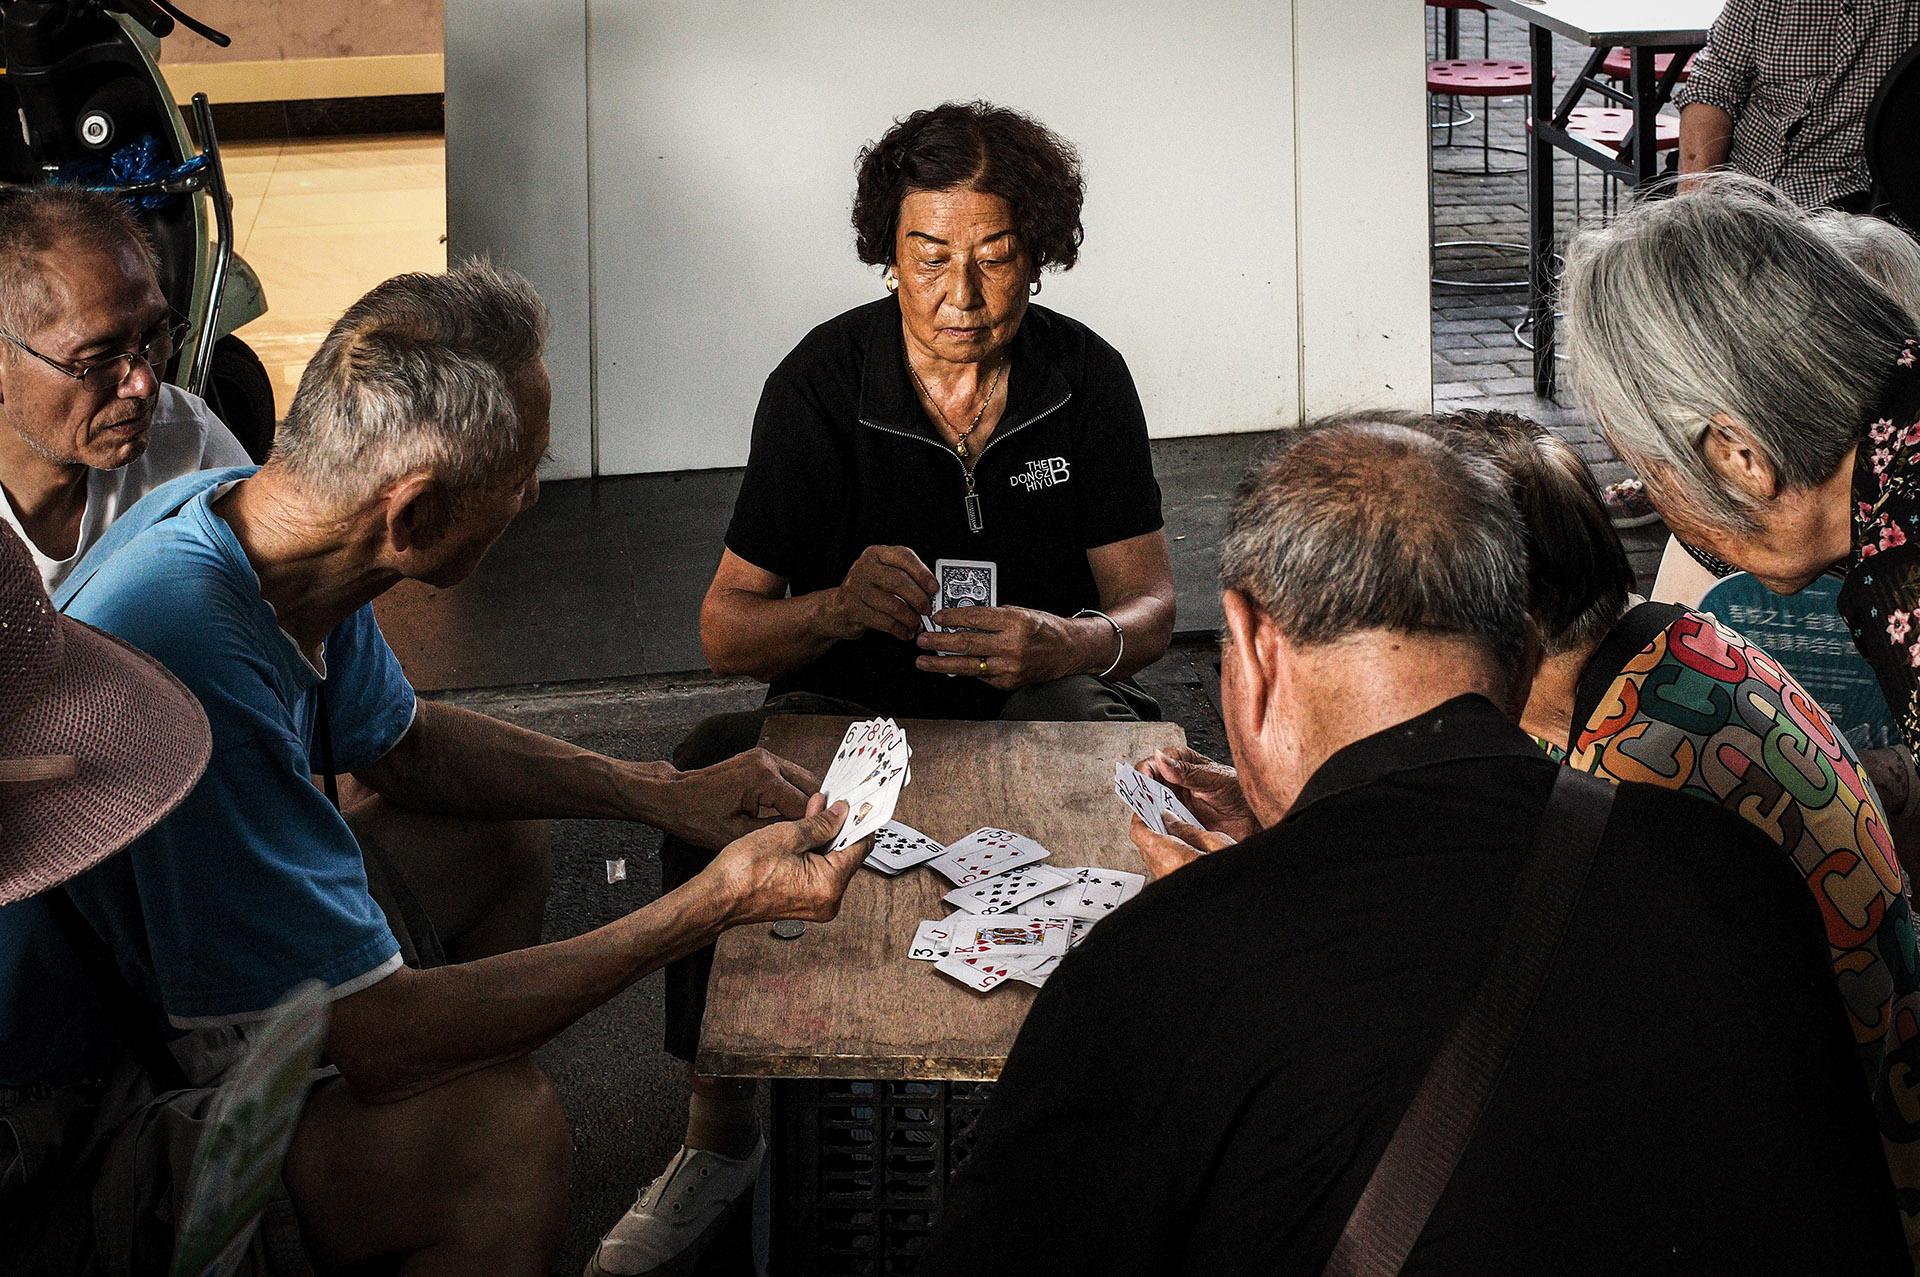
961	446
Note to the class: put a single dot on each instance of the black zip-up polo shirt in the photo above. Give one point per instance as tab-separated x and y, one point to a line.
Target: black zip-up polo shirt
1206	1083
844	458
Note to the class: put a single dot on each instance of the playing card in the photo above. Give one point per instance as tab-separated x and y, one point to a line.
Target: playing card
867	815
1149	799
1011	936
1090	894
898	847
964	583
1004	892
934	939
867	774
864	749
986	852
979	974
1038	973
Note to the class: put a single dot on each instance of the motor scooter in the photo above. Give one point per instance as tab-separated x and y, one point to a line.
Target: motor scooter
80	80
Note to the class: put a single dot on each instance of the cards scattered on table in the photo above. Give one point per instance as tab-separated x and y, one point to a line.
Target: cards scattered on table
986	852
962	583
1150	800
898	847
1015	917
871	767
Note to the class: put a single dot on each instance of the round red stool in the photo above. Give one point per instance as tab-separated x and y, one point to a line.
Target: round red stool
1618	65
1479	78
1609	126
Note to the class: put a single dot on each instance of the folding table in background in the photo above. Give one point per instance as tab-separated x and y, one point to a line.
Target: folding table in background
1647	29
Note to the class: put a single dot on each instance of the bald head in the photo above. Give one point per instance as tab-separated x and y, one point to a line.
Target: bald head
1361	523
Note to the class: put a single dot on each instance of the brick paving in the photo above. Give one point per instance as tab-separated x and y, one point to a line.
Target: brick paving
1477	360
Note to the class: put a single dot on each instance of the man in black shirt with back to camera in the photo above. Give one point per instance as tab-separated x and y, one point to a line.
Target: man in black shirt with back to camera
1207	1083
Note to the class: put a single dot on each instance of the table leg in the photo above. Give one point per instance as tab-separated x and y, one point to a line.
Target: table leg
1451	24
1540	247
1646	109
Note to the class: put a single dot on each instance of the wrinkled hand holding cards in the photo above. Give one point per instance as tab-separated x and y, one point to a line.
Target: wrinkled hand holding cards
1016	916
873	764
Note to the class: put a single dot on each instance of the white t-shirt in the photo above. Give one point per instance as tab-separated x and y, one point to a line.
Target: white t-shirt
185	436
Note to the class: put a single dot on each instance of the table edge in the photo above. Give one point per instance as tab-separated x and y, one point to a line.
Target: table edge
1679	37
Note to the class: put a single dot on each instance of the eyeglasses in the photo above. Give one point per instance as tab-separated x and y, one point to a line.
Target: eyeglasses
111	370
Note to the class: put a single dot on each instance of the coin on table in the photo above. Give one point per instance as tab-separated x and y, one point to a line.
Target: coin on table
789	929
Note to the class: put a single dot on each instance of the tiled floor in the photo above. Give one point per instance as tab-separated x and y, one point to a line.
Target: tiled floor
1477	362
323	220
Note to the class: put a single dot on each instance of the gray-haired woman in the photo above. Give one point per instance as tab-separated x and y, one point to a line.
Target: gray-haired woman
1767	392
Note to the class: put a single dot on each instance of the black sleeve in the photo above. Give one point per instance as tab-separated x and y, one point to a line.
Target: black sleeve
1119	497
795	475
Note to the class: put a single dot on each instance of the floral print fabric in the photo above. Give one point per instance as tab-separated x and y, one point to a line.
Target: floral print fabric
1880	597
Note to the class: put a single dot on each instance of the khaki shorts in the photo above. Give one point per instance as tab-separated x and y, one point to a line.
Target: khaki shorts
93	1179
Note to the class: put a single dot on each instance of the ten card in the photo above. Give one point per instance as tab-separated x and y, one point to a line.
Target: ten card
898	847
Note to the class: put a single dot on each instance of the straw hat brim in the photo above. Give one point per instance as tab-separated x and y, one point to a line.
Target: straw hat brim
140	741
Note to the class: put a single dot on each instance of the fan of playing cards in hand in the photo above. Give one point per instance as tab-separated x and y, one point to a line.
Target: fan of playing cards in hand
871	767
1015	918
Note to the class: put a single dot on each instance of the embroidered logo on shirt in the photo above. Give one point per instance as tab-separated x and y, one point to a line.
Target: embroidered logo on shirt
1044	473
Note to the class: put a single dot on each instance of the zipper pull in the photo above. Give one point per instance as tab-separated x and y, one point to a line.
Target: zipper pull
976	522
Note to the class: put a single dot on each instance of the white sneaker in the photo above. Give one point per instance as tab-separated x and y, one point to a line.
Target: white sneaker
677	1216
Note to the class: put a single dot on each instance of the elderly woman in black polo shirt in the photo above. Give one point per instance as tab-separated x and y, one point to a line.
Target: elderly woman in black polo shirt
950	419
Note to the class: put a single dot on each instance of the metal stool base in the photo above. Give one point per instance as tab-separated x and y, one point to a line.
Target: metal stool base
1522	330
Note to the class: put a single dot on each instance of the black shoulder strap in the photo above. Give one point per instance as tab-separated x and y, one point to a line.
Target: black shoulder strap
1426	1146
130	1013
1639	627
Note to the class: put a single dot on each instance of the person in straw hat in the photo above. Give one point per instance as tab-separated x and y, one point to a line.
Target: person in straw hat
97	743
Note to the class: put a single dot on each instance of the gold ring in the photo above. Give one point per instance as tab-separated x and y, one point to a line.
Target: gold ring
983	665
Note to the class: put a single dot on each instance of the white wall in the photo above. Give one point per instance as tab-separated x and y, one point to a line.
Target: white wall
517	179
1256	210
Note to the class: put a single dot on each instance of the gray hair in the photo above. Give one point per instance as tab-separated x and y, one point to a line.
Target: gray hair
1359	522
414	377
1884	253
36	219
1724	301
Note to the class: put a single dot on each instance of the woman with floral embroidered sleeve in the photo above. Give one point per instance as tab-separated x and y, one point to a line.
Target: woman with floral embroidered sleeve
1768	393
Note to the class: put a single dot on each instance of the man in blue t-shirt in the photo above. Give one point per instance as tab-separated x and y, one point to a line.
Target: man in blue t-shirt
413	442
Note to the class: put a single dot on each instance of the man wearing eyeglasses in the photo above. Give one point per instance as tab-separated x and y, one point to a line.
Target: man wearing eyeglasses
87	427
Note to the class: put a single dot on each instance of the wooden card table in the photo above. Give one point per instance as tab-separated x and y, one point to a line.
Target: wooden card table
879	1060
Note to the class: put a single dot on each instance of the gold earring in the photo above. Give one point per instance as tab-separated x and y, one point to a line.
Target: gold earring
893	282
1033	289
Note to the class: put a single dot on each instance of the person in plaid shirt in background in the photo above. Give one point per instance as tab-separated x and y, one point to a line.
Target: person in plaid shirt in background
1781	90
